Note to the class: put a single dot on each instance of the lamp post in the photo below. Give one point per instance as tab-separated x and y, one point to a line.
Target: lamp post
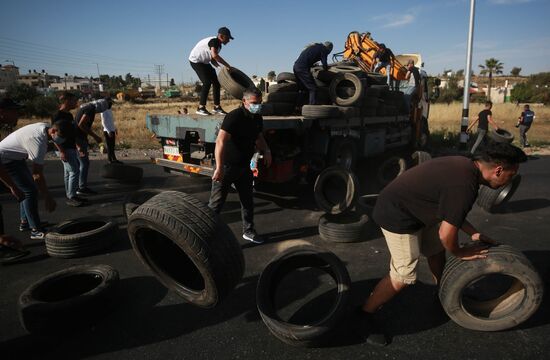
66	81
467	76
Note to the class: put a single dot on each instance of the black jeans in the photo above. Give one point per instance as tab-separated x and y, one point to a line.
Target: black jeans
241	176
110	142
207	75
305	80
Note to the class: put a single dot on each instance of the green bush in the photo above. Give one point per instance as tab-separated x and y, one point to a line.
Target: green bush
534	90
41	106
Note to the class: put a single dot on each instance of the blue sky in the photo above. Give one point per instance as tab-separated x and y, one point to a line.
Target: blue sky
132	36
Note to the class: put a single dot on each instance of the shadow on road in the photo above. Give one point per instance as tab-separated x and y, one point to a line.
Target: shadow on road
518	206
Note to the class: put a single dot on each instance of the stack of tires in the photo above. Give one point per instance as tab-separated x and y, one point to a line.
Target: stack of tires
282	97
336	191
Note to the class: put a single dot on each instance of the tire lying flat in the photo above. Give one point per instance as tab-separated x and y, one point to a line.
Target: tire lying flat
187	247
67	300
136	198
343	228
303	256
81	237
462	297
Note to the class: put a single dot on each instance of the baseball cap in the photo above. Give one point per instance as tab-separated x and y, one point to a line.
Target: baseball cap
225	31
9	104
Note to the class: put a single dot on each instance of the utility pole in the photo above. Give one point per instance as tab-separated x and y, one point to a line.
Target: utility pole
467	76
159	69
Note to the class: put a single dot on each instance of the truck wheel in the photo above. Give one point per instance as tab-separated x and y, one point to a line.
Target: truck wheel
320	111
315	332
343	153
346	80
67	300
234	82
187	247
122	172
391	168
135	199
493	200
501	135
81	237
343	228
491	294
285	76
284	87
335	190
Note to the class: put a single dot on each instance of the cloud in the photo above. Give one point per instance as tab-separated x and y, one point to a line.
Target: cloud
509	2
395	20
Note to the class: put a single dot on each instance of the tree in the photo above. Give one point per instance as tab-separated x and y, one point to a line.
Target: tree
460	73
515	71
492	66
172	82
271	75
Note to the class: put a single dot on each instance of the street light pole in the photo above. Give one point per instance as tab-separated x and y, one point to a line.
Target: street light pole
467	76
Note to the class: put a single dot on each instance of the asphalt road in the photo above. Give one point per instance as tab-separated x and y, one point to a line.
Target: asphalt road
151	322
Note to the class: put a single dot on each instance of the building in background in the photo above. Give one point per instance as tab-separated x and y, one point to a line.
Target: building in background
9	74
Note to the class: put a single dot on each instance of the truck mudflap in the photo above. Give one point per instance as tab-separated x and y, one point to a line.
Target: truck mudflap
185	167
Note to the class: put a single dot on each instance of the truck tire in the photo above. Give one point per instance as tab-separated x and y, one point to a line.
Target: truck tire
478	312
187	247
267	109
343	153
322	75
343	228
501	135
493	200
285	97
372	92
349	111
283	108
122	172
235	82
346	69
68	300
81	237
320	111
285	76
135	199
346	80
284	87
336	190
418	157
294	258
390	168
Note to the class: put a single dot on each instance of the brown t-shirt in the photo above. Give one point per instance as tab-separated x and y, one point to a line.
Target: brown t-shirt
440	189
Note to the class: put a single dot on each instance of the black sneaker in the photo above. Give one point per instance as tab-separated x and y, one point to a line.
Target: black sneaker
202	111
9	254
38	234
85	191
372	329
81	199
218	110
252	236
74	202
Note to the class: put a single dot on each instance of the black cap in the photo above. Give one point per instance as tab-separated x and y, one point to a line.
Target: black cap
225	31
9	104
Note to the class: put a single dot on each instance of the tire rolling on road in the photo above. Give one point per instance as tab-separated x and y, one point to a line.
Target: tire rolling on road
187	247
494	200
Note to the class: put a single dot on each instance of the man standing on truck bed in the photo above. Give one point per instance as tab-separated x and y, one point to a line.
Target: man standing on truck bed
239	136
383	59
206	52
422	211
302	67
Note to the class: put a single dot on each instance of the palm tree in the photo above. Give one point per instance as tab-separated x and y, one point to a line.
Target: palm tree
491	66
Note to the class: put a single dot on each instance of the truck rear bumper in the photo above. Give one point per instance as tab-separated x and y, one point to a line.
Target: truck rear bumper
185	167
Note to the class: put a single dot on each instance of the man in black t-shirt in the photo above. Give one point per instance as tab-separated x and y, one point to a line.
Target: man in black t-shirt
67	151
383	59
239	136
422	211
483	118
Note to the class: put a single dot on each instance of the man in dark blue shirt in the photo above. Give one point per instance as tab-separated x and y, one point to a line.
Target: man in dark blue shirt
524	124
308	57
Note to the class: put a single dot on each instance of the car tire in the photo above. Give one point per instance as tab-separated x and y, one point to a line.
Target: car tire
343	153
68	300
285	76
336	190
419	157
521	299
343	228
284	87
303	256
135	199
501	135
320	111
235	82
390	168
347	80
187	247
493	200
81	237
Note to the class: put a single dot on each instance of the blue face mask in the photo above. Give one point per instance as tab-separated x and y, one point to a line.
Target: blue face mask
255	108
58	140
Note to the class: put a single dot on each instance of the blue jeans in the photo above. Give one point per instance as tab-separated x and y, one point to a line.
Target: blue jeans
84	164
71	172
22	177
386	65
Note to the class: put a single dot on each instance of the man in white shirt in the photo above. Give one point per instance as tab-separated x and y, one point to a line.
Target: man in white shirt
30	142
109	132
206	52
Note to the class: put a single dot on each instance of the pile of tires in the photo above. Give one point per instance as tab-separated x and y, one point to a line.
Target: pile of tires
336	191
317	330
492	294
187	247
282	97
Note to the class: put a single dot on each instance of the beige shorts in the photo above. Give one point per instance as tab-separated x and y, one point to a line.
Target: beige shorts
405	250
